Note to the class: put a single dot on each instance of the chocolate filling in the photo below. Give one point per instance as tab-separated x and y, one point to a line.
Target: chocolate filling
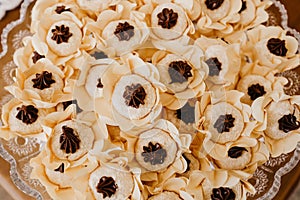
224	123
244	6
235	152
188	162
214	66
27	114
60	9
36	57
154	153
107	186
222	193
186	113
167	18
67	103
179	71
277	47
99	85
43	80
213	4
255	91
61	34
134	95
61	168
288	123
69	140
124	31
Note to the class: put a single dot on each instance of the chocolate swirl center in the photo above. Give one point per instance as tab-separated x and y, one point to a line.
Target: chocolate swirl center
61	34
43	80
179	71
255	91
288	123
134	95
69	140
222	193
213	4
235	152
107	186
224	123
154	153
27	114
124	31
277	47
167	18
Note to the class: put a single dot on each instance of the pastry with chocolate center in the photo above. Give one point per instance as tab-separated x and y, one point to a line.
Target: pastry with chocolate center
224	121
168	21
25	119
64	37
111	182
253	86
285	119
71	140
45	83
155	149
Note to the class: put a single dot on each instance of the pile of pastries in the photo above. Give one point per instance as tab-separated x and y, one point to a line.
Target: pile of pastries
153	99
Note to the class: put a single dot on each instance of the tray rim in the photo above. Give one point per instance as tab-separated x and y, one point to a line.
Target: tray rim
25	188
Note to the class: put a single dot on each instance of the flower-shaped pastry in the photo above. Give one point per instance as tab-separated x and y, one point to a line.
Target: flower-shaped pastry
171	21
267	46
254	86
240	157
52	7
217	184
114	181
157	148
61	36
44	84
223	60
218	16
183	74
223	116
22	119
60	177
73	136
121	30
130	93
27	56
278	115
